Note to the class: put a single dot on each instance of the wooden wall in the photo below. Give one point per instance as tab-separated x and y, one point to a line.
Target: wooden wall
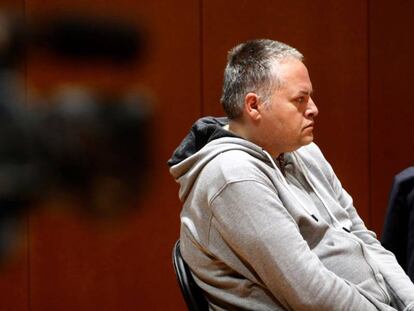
358	55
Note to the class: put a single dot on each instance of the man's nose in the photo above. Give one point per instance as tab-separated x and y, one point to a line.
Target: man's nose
312	109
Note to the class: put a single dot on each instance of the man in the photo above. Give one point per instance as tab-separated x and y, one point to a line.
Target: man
266	224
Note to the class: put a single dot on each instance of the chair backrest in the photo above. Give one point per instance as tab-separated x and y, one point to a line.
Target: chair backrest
193	294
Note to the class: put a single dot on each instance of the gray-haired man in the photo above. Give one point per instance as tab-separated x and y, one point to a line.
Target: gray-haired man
266	224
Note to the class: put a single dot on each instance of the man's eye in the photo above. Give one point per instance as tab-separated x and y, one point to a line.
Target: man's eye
300	100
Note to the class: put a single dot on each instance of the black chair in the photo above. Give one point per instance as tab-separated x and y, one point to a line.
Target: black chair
193	294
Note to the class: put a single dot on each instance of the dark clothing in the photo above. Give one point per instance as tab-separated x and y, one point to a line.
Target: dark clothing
202	132
398	234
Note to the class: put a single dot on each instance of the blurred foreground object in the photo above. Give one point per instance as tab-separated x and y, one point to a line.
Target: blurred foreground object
95	146
83	143
84	37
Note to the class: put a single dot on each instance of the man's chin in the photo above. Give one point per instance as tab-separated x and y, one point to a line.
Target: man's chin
306	141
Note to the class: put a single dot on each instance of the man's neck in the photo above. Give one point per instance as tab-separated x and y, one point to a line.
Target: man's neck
237	128
241	129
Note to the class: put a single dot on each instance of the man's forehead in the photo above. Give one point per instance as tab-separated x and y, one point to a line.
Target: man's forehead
295	85
293	74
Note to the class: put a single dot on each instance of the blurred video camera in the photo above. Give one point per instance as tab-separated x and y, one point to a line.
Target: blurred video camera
85	143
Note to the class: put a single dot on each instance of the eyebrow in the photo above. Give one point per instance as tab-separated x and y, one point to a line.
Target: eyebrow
303	92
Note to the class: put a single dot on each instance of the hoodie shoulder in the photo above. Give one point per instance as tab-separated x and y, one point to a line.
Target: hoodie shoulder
221	160
237	165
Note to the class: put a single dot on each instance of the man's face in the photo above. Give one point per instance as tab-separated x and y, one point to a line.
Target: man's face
287	118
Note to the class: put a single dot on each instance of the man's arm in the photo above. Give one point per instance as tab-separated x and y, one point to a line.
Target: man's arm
399	285
252	220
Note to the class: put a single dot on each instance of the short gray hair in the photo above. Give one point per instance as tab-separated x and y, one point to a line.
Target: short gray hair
249	69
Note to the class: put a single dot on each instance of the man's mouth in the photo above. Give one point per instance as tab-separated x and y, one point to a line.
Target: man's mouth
310	125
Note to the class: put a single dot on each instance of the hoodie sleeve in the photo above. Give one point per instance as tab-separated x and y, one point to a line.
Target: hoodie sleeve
252	220
398	283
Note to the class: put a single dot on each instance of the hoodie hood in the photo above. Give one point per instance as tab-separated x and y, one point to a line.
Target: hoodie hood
206	140
202	132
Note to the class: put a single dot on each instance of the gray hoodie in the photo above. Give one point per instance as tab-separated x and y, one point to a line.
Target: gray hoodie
259	239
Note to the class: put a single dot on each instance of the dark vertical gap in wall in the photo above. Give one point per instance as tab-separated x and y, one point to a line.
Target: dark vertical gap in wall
201	38
369	142
25	96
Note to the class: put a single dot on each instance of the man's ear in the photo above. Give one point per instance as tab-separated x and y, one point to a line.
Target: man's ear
251	106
